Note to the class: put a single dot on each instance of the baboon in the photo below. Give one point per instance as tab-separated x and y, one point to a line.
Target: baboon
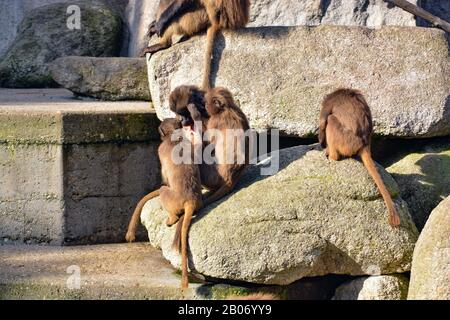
190	17
182	193
345	130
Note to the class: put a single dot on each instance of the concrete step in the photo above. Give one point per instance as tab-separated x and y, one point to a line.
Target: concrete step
120	271
72	170
123	272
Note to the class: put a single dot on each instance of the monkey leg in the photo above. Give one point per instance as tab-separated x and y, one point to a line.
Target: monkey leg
218	194
172	204
153	49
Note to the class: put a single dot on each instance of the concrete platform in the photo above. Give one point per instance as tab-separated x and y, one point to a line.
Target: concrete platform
72	170
124	271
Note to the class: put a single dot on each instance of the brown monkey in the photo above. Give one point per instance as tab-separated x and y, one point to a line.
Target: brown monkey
224	114
182	193
345	130
190	17
179	99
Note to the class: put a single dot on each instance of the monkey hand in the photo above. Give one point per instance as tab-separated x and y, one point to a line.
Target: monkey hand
195	114
151	29
159	28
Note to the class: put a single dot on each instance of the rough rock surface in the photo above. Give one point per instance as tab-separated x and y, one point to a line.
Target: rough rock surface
393	287
424	180
314	217
371	13
280	75
44	36
430	273
103	78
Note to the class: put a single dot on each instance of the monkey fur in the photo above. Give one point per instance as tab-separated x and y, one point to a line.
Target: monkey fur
345	130
180	196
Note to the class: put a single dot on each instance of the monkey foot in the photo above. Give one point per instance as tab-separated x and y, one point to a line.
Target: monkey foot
170	222
130	236
394	220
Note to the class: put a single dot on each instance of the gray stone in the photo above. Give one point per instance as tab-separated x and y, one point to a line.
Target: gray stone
430	273
280	75
314	217
114	272
393	287
44	36
71	171
373	13
424	180
103	78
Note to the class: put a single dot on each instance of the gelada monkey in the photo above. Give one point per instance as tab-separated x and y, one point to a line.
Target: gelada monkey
182	193
190	17
224	115
179	99
345	130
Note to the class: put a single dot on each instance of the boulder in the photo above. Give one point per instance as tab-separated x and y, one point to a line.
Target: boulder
424	180
306	12
313	217
392	287
430	273
44	36
103	78
280	75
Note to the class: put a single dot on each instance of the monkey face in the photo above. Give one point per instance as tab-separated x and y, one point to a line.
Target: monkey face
181	98
217	100
168	127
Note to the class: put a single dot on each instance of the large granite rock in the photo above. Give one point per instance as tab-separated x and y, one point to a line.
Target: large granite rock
392	287
280	75
44	36
371	13
424	180
430	273
314	217
103	78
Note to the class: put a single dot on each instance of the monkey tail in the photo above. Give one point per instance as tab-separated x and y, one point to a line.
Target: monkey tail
131	232
366	157
176	244
188	213
323	126
210	38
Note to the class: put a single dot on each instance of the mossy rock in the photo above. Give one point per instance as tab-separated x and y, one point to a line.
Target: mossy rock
424	180
44	36
312	218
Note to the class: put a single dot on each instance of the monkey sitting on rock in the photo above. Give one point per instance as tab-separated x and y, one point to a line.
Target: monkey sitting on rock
345	130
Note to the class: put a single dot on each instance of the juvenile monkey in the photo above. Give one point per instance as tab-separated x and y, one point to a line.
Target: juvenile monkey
345	130
190	17
182	193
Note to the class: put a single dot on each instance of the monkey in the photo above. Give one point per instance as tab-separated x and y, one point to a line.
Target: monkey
182	193
179	100
345	130
190	17
224	114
